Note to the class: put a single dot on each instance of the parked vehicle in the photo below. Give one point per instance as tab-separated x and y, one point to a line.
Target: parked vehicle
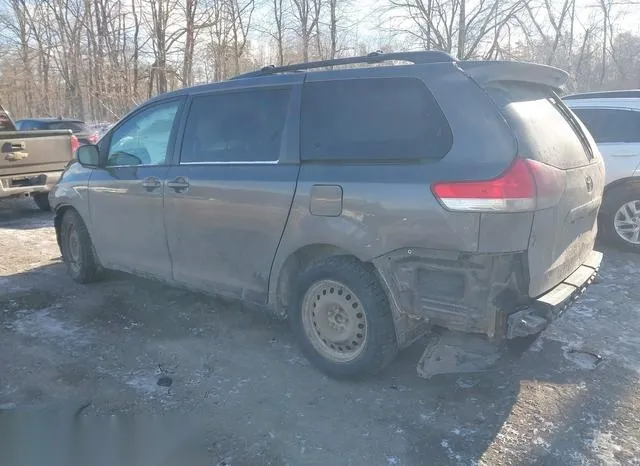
32	161
6	123
79	128
370	204
613	118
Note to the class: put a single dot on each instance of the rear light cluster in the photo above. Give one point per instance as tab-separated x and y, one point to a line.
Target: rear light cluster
93	138
74	144
525	186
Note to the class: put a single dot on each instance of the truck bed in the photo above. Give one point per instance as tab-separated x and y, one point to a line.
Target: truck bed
32	161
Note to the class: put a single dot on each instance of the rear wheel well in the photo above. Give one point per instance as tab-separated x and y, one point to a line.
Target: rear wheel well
621	182
615	187
297	262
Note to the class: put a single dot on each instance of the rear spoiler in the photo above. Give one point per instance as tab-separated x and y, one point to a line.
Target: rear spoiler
485	72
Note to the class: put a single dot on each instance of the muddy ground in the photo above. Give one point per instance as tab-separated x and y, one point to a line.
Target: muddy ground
242	394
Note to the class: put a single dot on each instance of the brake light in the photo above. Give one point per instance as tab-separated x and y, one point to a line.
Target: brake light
93	138
526	185
74	144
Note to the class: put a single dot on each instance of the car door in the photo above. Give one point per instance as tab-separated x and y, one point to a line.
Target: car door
227	200
617	133
126	196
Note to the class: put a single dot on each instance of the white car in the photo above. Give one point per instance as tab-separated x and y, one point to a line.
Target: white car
613	118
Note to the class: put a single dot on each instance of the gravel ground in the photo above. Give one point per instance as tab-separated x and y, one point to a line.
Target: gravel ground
242	394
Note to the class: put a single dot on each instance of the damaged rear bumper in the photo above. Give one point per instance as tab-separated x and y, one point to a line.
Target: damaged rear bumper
484	294
552	304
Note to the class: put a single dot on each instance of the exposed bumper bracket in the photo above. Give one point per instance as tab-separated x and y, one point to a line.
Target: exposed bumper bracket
552	304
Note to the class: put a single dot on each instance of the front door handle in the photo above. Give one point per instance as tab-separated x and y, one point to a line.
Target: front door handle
179	184
151	183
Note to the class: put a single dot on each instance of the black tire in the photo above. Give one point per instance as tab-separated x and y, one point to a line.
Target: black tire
379	347
82	265
613	200
42	201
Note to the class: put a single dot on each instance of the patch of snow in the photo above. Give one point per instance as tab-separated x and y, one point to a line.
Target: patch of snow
44	325
144	383
605	447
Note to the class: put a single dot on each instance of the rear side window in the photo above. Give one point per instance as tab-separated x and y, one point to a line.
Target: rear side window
245	126
372	119
545	128
28	125
611	125
74	126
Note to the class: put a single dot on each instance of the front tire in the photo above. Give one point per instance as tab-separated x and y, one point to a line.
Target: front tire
620	217
77	249
42	201
341	318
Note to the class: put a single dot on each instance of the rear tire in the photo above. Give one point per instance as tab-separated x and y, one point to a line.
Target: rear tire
341	318
619	221
77	249
42	201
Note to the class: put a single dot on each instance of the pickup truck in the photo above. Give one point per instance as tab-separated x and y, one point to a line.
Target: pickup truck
31	162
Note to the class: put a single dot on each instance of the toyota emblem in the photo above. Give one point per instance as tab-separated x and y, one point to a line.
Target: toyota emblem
589	182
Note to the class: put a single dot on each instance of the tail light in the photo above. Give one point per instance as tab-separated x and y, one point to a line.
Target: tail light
93	138
525	186
74	144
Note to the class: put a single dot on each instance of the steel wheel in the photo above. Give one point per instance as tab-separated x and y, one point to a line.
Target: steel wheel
626	222
334	320
74	253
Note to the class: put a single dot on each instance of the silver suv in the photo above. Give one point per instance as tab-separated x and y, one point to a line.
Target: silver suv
613	118
370	205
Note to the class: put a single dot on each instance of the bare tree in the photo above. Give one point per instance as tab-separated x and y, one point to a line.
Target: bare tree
306	21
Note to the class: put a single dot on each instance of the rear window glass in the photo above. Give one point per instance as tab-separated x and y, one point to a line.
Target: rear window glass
611	125
545	128
74	126
372	119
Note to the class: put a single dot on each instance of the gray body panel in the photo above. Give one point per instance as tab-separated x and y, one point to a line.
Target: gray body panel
126	220
223	231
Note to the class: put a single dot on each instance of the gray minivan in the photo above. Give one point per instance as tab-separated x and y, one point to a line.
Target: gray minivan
371	205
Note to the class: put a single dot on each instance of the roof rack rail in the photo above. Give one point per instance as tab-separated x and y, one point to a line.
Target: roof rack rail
625	94
419	57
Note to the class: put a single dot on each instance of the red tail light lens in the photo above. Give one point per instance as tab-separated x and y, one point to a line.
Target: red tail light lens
93	138
74	144
520	188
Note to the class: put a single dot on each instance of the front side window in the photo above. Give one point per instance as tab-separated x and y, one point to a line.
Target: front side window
245	126
372	119
611	125
143	139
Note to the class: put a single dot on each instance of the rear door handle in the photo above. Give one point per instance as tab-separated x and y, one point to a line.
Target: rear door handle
179	184
151	183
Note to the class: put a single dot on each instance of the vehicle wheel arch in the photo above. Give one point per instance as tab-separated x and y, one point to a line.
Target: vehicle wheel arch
620	182
615	195
296	262
57	219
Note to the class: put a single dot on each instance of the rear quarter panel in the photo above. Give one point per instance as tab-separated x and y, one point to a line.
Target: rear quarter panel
621	160
389	206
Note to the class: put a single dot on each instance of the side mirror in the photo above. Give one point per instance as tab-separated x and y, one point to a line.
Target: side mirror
88	155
